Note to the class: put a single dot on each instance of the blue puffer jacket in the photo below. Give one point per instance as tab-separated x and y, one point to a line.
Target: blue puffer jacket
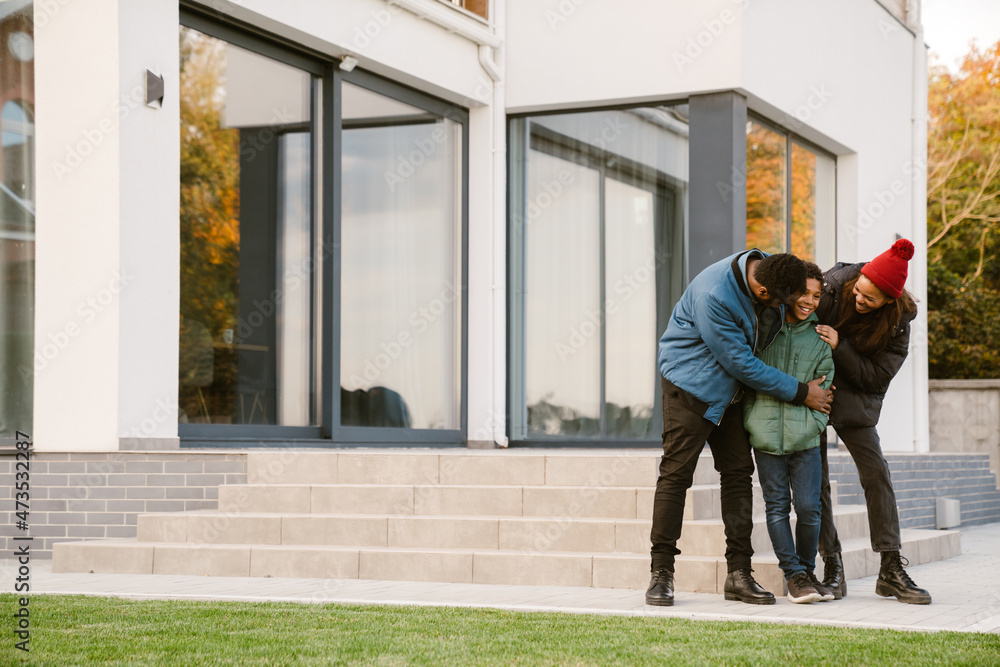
708	347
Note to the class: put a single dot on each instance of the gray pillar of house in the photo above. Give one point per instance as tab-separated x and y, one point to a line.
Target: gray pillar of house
718	171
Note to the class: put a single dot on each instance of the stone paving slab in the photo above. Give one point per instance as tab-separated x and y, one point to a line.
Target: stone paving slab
966	592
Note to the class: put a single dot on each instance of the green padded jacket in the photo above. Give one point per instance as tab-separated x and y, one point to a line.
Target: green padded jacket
777	427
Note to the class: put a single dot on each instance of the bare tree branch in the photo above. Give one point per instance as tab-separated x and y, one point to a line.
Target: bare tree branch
985	180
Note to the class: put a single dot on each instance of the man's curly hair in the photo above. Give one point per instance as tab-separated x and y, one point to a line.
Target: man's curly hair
782	274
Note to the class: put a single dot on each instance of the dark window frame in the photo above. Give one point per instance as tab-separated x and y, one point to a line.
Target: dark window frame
326	161
381	436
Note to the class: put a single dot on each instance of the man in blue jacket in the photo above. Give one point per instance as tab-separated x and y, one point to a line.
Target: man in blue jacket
730	310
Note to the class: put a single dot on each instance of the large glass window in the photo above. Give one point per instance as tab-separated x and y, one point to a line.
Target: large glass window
17	217
790	195
322	248
401	264
598	203
247	236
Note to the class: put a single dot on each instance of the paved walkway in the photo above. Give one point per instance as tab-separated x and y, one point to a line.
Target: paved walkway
966	591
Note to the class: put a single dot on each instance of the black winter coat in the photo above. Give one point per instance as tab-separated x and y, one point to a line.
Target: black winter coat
861	380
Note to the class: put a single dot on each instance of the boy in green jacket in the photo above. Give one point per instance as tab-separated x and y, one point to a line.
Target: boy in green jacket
785	439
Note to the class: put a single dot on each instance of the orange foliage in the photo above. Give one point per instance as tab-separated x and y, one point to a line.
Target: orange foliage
767	196
210	195
765	189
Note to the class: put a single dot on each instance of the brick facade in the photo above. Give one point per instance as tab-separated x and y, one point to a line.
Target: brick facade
76	496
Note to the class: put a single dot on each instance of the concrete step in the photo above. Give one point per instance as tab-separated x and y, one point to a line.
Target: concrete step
465	467
496	500
406	531
702	501
707	537
592	535
613	570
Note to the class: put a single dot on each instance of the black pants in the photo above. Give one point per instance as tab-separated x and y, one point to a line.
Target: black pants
883	518
685	432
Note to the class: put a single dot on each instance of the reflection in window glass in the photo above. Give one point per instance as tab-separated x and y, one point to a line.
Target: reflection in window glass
766	185
18	150
813	186
246	225
562	264
803	202
17	219
631	264
400	297
597	211
295	232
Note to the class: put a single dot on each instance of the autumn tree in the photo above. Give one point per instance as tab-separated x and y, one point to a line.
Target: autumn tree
963	218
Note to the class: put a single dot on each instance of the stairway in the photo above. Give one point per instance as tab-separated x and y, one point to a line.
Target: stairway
523	517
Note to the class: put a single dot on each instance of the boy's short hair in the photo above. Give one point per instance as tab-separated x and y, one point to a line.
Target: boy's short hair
783	275
814	272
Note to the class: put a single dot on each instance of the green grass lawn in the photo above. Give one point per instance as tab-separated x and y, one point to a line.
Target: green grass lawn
82	630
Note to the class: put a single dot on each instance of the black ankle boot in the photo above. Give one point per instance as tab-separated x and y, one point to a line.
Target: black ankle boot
833	575
740	585
661	589
893	581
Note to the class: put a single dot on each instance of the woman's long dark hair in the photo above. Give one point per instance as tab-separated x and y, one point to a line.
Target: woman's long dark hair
870	333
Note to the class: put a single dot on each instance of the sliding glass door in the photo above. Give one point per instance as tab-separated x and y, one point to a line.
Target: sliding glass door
401	269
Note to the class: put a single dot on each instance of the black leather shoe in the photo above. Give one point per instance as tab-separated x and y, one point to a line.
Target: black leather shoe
833	575
893	581
740	585
661	589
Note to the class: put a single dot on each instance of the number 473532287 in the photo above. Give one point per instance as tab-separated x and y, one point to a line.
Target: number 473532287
22	469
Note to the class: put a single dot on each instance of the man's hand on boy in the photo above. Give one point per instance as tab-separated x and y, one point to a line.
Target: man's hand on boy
819	398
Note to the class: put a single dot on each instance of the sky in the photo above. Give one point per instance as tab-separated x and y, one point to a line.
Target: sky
950	24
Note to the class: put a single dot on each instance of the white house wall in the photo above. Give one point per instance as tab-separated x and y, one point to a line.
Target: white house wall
149	227
573	53
77	260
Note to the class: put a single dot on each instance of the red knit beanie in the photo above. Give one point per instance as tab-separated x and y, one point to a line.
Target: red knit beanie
888	270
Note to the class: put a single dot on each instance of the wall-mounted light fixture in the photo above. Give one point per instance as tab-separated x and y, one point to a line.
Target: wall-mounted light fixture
347	63
154	90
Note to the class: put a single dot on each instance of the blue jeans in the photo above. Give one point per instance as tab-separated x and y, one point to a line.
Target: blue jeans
793	477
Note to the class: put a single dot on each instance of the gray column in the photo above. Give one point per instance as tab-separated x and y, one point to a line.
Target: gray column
718	164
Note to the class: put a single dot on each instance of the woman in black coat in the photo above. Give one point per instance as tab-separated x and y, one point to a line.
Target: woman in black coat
865	315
